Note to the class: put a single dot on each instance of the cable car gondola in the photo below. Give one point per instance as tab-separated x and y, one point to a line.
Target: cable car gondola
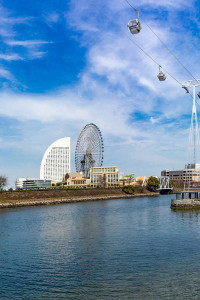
198	94
134	25
161	76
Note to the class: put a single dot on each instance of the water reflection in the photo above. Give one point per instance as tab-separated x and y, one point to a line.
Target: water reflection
122	249
189	217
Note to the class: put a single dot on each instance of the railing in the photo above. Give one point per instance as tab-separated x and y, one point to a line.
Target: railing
165	183
188	195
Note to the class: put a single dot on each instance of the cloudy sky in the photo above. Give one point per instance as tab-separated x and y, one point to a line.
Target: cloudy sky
63	65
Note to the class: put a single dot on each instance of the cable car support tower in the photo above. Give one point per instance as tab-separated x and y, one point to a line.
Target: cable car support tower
194	144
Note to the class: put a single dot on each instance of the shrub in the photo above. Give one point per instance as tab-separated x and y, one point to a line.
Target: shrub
128	189
140	189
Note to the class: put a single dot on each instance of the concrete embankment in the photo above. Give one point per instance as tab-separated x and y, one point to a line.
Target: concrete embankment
73	199
185	204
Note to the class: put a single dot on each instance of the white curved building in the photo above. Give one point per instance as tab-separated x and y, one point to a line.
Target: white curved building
56	160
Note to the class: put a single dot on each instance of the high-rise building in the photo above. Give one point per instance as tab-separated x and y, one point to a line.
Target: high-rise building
56	160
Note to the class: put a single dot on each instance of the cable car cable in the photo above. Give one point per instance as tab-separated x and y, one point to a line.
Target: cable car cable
162	42
124	33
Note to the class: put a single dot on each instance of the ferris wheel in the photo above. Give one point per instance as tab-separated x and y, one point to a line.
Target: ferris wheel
89	149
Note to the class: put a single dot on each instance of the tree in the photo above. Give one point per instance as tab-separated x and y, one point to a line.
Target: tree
130	178
152	184
3	182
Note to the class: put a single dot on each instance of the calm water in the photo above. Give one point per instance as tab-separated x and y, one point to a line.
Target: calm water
119	249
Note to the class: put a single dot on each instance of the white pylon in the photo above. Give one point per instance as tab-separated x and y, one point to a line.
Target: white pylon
194	143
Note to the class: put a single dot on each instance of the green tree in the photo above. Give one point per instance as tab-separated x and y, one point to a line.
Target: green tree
152	184
130	178
3	182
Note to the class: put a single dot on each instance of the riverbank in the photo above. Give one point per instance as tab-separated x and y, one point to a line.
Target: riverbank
35	198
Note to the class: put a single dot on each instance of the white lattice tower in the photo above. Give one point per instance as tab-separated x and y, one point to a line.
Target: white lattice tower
194	143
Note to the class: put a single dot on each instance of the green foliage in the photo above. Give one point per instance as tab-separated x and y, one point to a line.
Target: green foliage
128	189
3	182
130	177
66	176
152	184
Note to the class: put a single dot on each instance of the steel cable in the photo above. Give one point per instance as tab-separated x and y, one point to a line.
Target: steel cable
163	42
138	46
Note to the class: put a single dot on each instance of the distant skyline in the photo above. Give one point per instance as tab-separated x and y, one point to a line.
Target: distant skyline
64	65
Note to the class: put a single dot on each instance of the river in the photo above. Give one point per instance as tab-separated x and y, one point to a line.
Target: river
115	249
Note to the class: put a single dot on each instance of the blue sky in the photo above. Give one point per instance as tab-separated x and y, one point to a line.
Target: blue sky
63	65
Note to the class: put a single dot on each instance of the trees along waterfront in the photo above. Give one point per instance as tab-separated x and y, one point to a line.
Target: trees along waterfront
152	184
3	182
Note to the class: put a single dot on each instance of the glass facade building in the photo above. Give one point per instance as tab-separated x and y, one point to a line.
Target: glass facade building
31	183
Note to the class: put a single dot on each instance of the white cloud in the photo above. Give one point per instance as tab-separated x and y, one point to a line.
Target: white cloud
145	82
33	48
10	57
180	4
154	120
6	74
7	22
52	18
27	43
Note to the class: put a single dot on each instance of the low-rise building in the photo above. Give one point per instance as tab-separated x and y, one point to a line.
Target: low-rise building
191	173
104	176
31	183
142	180
75	180
127	180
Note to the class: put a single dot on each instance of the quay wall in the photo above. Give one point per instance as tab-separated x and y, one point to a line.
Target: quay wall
52	197
185	204
57	193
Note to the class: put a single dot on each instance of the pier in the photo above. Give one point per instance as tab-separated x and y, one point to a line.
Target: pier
186	200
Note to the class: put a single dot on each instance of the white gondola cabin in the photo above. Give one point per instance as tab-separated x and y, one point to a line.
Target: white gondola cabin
134	26
161	76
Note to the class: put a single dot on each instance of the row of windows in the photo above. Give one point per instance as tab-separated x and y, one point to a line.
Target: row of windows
79	182
56	167
57	159
99	181
109	176
102	170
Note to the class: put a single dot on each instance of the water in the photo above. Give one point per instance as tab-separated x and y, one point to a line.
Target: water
120	249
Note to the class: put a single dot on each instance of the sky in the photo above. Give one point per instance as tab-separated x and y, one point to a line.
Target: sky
63	64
